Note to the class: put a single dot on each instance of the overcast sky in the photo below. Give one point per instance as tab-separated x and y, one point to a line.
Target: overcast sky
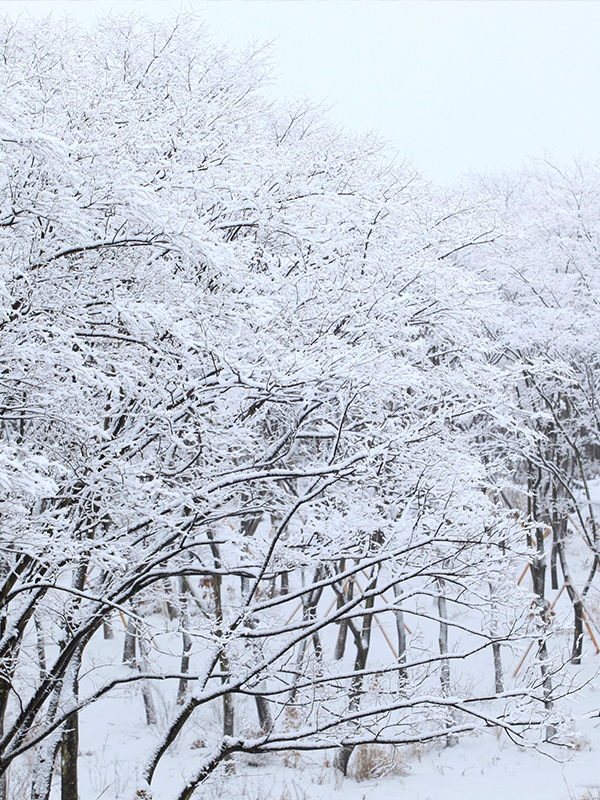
455	85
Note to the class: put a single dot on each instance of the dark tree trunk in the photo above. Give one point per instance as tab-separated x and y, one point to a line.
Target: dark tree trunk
560	530
263	710
69	751
107	629
285	583
344	597
577	651
363	643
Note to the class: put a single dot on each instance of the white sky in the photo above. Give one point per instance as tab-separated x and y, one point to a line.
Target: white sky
456	85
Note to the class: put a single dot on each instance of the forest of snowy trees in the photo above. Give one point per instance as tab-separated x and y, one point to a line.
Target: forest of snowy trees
297	451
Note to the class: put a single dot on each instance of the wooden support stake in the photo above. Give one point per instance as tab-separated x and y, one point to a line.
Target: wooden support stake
379	625
293	614
385	600
386	637
521	662
523	574
590	617
589	630
529	565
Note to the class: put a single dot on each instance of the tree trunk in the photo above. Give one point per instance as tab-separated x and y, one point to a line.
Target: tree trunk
285	583
144	667
577	650
310	602
69	751
44	768
172	609
498	673
560	530
451	739
263	710
538	575
228	705
363	643
129	645
186	641
496	647
107	629
4	775
135	655
345	597
401	634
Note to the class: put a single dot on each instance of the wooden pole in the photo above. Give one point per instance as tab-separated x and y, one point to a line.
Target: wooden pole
521	662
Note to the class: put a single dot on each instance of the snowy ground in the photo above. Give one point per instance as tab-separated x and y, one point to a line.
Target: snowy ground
473	769
488	766
478	767
115	742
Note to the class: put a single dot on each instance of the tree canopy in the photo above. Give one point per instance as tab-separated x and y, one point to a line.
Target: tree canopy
277	417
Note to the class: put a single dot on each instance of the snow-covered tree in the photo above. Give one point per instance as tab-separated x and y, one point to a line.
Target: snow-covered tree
545	432
238	351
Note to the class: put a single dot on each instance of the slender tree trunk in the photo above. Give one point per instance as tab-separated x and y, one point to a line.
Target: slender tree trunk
4	692
130	643
69	745
496	647
538	572
560	530
44	768
148	697
401	634
40	646
285	583
363	643
186	641
107	628
538	575
577	651
228	705
498	672
4	776
263	710
47	753
172	609
451	739
310	602
345	596
135	655
69	751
